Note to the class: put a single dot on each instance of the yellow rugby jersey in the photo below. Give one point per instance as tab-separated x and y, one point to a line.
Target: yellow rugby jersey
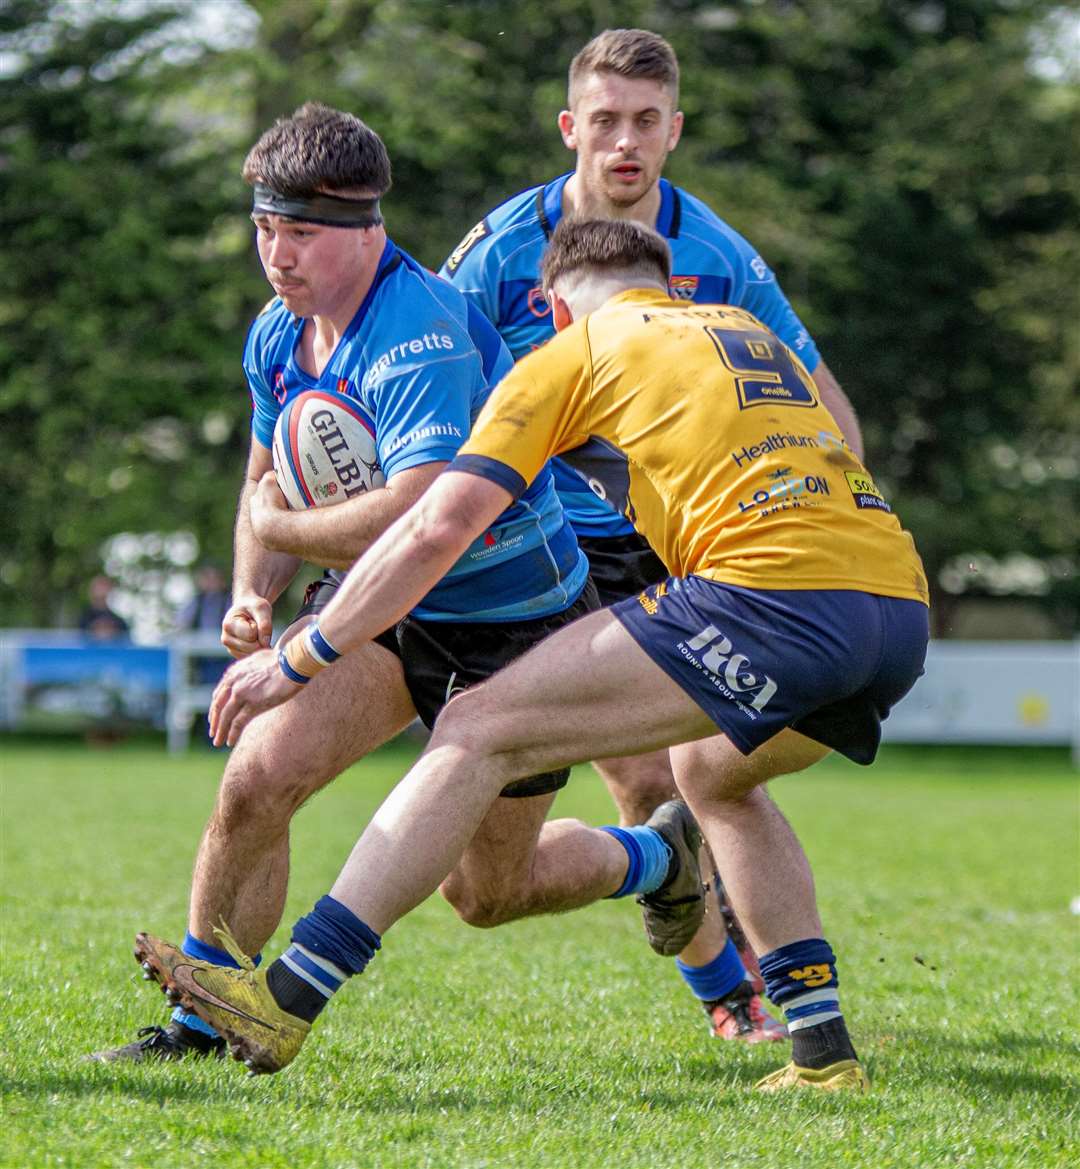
730	467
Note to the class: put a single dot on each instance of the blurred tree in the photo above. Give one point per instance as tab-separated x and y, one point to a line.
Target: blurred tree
903	165
120	333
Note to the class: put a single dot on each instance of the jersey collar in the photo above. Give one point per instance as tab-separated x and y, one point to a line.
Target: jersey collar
549	207
388	262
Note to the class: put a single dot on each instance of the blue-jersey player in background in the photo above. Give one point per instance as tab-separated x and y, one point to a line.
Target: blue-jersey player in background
355	314
622	122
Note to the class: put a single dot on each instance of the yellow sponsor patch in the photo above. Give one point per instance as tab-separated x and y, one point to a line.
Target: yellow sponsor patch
864	491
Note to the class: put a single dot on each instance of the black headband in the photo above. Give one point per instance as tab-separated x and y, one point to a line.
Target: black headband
331	210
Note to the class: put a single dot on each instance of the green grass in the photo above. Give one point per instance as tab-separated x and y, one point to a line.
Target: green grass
944	877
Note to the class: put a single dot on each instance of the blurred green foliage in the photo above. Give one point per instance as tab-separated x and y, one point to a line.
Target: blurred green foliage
907	167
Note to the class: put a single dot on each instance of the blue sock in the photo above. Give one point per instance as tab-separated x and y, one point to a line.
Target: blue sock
194	948
801	979
716	979
648	858
328	945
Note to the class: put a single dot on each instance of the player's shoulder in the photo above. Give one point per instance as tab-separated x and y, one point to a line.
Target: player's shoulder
417	320
702	227
516	221
419	296
273	326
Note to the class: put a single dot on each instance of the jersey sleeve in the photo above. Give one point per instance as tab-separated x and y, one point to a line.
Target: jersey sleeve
763	296
422	412
539	409
264	405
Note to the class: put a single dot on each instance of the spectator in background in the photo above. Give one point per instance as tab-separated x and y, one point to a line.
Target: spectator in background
207	608
98	621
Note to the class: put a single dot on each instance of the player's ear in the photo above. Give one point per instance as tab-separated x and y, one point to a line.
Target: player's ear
568	129
562	315
676	129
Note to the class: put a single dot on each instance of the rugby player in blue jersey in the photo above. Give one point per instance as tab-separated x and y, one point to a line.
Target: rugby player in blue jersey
622	122
354	313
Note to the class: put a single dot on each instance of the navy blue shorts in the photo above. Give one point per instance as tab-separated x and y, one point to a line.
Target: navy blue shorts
829	663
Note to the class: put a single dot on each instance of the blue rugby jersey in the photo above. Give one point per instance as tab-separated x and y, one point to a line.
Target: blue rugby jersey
421	360
497	266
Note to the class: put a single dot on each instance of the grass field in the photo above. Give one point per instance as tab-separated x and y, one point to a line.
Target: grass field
944	876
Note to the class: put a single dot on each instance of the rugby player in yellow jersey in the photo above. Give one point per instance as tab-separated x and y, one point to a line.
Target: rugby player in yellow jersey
794	619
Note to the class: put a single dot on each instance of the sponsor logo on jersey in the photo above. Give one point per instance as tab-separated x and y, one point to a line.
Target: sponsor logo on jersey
865	492
759	268
777	441
714	654
494	543
538	306
784	491
683	287
413	347
467	244
436	429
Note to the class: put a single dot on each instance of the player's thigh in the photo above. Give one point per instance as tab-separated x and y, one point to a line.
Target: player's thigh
340	715
585	692
715	769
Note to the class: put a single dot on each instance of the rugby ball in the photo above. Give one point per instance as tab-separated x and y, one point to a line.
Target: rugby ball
324	450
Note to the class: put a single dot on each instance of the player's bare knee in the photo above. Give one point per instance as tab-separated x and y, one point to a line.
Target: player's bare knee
472	727
483	907
256	792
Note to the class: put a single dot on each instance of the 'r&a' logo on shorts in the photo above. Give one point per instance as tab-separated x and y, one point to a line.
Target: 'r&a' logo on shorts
751	692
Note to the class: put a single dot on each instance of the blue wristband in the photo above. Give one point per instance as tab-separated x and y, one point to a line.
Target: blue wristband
288	671
320	647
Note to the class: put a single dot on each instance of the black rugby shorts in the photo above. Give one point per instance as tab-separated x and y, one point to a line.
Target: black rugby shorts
442	658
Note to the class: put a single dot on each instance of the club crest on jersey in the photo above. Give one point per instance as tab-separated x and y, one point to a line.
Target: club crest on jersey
538	306
467	244
683	287
277	381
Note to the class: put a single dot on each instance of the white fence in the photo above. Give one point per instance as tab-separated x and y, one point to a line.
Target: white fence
1018	692
994	692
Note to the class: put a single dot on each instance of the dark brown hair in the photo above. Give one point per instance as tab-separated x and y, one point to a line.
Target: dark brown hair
606	245
629	52
319	148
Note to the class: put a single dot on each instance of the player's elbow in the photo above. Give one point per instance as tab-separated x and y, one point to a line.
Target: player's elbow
438	534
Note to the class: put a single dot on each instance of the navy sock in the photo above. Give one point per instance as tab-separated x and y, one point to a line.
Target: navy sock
801	979
716	979
648	859
328	945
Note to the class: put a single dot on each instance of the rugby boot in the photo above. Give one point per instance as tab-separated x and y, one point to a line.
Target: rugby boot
742	1016
846	1075
173	1041
236	1003
673	913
